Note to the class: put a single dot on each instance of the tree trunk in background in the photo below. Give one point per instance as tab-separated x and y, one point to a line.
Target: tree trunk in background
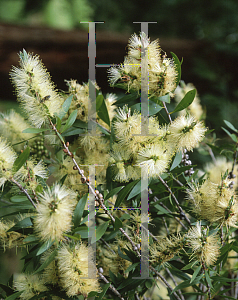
65	53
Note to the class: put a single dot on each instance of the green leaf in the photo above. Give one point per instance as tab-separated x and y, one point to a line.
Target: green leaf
186	101
182	285
47	261
223	279
117	224
31	239
177	67
122	255
127	98
58	123
19	198
79	209
124	192
228	124
99	101
7	289
14	296
65	107
195	273
100	231
80	124
102	109
162	210
83	231
208	279
113	192
135	191
21	224
19	162
153	107
89	216
231	135
177	160
34	130
132	267
165	98
44	247
189	266
104	290
70	121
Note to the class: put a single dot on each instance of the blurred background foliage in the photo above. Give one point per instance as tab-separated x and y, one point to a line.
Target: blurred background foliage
215	23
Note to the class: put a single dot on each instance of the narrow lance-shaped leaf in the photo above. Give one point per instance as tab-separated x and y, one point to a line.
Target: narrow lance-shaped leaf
47	261
102	109
65	107
195	273
78	212
228	124
34	130
19	162
231	135
70	120
178	67
186	101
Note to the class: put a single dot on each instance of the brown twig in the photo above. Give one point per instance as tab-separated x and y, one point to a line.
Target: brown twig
23	190
165	282
111	287
182	214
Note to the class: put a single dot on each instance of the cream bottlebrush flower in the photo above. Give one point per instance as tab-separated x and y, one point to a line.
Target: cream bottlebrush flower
122	164
35	90
31	170
215	170
166	248
74	262
162	73
127	123
205	247
155	157
109	259
7	158
195	108
187	132
215	203
11	126
9	239
30	285
54	212
81	100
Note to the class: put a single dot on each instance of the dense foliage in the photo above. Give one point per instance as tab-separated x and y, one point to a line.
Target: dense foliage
77	181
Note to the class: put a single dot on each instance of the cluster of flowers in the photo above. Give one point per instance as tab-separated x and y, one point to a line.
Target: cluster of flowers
162	73
128	154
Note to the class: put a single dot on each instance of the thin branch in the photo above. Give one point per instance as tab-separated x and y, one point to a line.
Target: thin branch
176	180
182	214
111	287
23	190
175	283
119	208
85	181
167	112
234	161
165	225
165	282
212	155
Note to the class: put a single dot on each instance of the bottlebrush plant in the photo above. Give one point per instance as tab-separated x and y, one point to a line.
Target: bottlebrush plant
112	207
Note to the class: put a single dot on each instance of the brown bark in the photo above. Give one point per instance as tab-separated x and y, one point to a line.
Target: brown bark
65	53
